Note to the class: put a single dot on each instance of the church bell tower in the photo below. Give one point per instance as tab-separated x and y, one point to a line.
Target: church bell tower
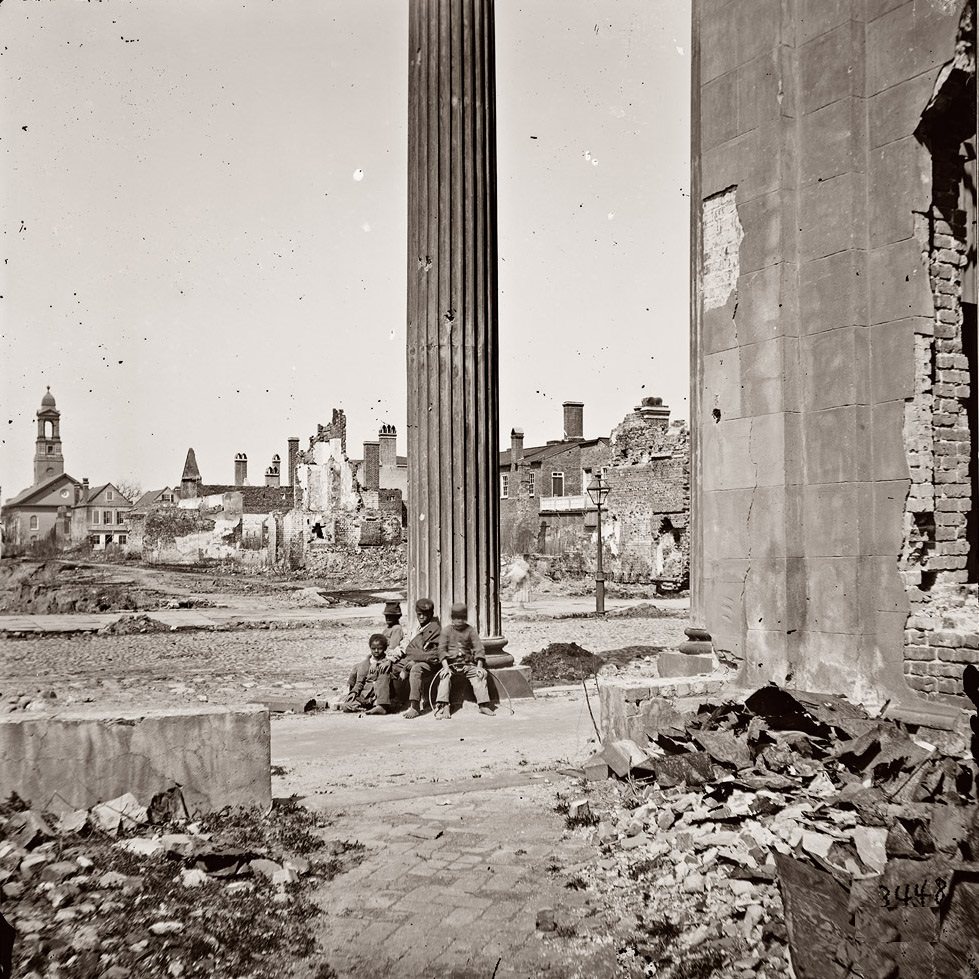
48	460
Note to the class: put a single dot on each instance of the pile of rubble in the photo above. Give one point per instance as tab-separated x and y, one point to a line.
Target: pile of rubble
793	827
123	890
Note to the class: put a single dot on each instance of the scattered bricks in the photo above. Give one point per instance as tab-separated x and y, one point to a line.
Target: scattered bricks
579	809
265	868
426	832
32	865
623	756
692	768
285	876
57	872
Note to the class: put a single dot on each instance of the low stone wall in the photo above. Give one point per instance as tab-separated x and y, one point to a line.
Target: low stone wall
219	756
627	705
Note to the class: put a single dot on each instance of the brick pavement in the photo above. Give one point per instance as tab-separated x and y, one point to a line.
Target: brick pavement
450	886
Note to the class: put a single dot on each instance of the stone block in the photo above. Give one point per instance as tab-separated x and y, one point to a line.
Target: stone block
722	383
766	522
832	593
768	304
833	292
758	92
830	445
761	377
765	656
673	664
219	756
725	517
764	242
899	183
892	361
766	449
727	459
896	112
831	520
817	17
717	54
719	110
831	67
830	368
907	41
889	457
831	216
765	595
831	142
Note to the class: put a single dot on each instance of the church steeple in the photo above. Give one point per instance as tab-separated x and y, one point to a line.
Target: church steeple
48	460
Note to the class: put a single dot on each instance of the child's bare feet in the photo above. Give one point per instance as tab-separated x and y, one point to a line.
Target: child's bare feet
377	711
411	712
486	709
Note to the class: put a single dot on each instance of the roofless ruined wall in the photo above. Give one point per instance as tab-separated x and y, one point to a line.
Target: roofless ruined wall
815	348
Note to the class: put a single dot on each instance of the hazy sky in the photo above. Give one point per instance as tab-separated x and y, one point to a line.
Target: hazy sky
204	223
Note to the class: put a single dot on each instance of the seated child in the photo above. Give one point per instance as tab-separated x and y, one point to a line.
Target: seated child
370	681
461	652
420	657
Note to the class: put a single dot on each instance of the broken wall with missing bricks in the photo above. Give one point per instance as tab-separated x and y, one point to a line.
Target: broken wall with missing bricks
834	433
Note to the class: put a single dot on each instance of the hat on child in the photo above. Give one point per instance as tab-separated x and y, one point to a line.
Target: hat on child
424	605
392	608
459	610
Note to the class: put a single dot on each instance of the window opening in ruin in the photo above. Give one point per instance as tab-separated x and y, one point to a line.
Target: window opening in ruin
532	484
557	484
504	485
33	523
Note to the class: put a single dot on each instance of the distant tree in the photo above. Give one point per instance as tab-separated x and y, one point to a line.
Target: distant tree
129	488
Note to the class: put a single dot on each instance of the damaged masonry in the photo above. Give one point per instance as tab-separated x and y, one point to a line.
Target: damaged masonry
791	790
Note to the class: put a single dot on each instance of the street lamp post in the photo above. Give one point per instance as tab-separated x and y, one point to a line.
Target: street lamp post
598	491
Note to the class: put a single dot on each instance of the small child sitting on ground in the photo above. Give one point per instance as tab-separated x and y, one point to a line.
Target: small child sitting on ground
370	681
461	652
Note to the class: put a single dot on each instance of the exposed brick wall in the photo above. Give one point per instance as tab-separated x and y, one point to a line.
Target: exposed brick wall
649	501
942	627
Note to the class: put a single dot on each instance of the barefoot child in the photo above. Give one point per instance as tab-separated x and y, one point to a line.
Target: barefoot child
461	652
370	681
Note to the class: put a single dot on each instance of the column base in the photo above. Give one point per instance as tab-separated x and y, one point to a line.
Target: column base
695	657
496	659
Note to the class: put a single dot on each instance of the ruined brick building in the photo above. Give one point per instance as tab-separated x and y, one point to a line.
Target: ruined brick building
318	510
545	508
834	343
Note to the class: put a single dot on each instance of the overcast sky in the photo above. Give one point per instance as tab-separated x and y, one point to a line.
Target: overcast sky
204	223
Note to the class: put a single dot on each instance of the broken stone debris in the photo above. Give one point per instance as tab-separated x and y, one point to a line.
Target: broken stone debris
870	832
94	883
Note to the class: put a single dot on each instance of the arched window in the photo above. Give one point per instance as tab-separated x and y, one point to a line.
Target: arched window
34	522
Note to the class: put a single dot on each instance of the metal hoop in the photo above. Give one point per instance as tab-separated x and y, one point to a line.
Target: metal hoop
499	683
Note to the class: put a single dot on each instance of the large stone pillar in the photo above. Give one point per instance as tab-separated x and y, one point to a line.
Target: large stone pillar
453	409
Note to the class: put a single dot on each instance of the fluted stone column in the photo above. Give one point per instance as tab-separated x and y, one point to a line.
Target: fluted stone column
453	402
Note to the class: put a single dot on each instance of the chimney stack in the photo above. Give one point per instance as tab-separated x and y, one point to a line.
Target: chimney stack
654	412
272	473
574	422
372	470
241	469
388	442
516	447
85	490
293	459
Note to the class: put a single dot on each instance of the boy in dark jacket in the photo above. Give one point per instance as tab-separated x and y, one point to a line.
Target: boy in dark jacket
461	652
418	661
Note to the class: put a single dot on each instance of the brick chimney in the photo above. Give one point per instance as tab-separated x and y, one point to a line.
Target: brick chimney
516	447
293	459
654	412
388	442
272	473
241	469
372	472
85	490
574	419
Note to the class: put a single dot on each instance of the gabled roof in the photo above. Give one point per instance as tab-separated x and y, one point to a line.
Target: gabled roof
39	489
540	453
96	492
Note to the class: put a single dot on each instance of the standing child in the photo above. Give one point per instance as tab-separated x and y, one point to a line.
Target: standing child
461	652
